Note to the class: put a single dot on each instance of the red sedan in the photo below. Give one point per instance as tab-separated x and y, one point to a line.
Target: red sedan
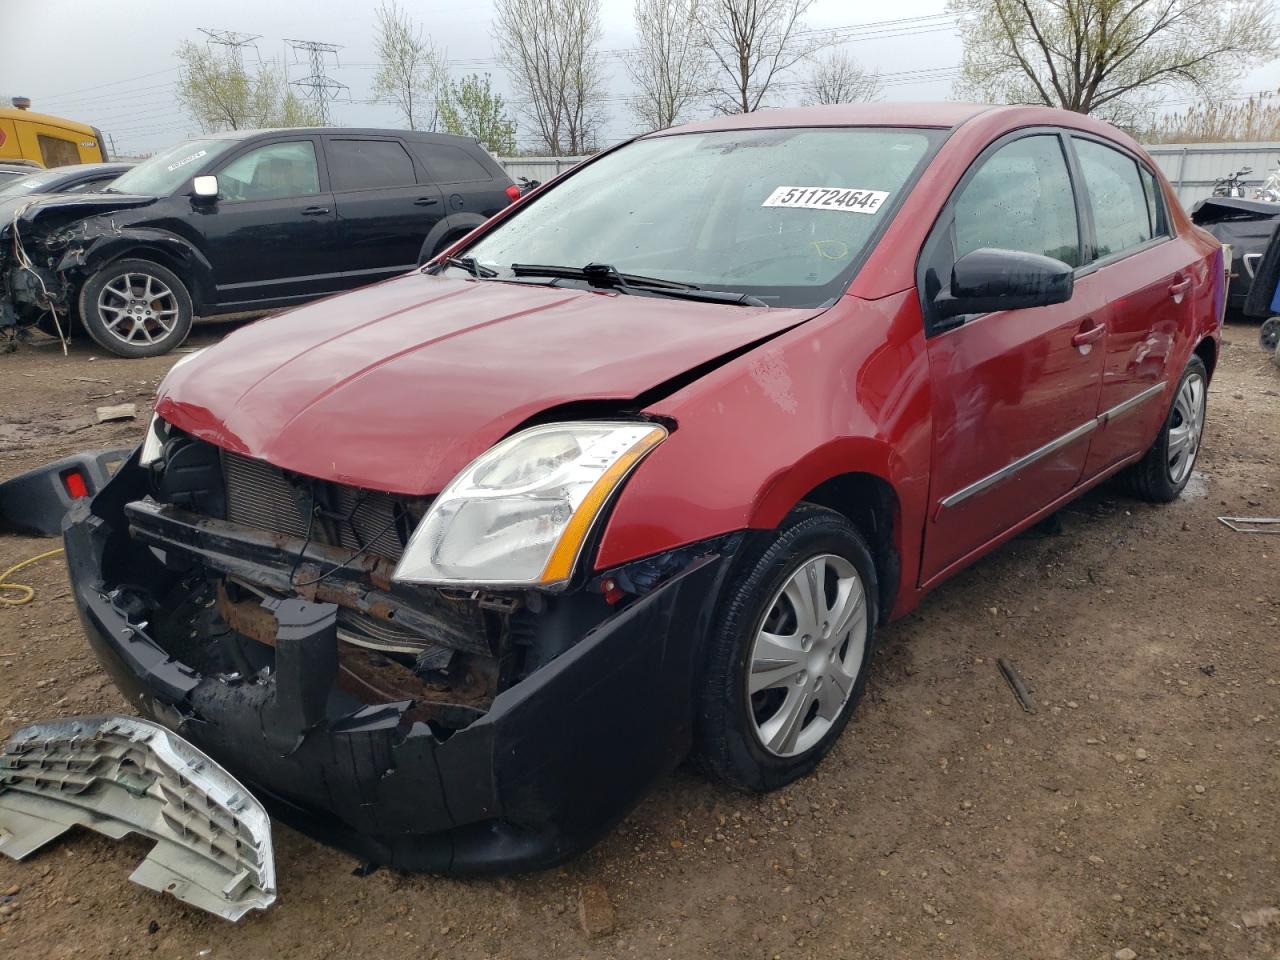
450	568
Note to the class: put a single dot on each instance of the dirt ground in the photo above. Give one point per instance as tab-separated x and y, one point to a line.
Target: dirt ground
1138	809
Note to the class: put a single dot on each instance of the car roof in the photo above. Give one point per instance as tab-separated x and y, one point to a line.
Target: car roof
107	165
337	131
942	114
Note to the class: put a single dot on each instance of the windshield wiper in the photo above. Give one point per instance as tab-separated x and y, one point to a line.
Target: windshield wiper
608	277
470	265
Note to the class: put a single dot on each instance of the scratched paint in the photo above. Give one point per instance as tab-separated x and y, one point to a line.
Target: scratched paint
770	373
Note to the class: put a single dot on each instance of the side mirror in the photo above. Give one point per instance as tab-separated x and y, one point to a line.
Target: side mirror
205	188
987	280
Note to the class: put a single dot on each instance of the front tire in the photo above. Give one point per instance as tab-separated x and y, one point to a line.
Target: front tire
1161	475
136	308
787	661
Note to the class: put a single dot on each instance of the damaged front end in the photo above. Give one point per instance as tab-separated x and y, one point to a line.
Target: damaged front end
45	245
252	610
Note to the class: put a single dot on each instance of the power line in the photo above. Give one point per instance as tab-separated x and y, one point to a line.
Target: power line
234	41
324	88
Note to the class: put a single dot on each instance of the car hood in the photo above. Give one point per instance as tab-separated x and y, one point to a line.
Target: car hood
66	206
398	386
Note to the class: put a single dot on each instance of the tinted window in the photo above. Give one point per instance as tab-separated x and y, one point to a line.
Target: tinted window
273	172
1155	202
445	164
89	186
1121	215
367	164
1020	199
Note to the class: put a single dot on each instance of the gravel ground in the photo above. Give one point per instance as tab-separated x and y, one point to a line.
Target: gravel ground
1136	814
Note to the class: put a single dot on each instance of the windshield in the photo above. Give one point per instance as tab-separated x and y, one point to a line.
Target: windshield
162	174
782	215
36	183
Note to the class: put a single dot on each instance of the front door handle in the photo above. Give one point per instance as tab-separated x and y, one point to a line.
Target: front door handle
1177	289
426	201
1088	336
314	211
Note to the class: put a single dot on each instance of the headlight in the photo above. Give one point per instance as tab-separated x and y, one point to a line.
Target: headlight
520	513
153	442
158	430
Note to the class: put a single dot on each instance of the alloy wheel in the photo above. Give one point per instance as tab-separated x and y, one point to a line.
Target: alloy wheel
806	656
1186	428
138	308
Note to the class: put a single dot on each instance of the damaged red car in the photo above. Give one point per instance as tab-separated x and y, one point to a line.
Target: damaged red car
449	569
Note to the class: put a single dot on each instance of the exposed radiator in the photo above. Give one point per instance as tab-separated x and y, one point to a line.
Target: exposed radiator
259	496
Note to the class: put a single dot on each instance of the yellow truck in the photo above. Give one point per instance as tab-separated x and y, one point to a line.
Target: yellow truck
50	141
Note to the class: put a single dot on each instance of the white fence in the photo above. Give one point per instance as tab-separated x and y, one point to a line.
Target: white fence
1191	167
537	168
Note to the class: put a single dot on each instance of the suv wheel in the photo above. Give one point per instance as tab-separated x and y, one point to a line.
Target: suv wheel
787	663
1163	473
136	308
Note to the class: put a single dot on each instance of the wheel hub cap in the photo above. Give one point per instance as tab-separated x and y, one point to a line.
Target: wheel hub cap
806	655
1186	428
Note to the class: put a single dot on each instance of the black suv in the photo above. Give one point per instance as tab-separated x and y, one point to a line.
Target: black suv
242	221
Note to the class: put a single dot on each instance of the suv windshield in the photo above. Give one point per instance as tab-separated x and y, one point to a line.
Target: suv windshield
166	171
783	215
33	184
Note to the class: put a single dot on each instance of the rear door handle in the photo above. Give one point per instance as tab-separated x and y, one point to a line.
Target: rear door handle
314	211
1176	290
1089	335
426	201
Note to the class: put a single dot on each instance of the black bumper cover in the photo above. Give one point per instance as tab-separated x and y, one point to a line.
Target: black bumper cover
557	761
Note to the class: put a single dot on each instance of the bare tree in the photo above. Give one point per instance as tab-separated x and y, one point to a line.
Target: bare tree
1116	58
222	94
410	68
549	47
751	42
669	67
839	78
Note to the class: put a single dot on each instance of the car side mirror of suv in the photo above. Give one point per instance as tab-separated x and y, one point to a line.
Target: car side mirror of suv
205	188
989	279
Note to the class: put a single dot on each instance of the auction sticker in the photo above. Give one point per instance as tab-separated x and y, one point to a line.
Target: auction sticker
827	198
185	160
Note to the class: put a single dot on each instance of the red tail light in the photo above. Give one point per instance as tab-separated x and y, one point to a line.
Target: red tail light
513	192
73	480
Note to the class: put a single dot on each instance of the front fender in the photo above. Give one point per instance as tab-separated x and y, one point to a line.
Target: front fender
90	253
845	393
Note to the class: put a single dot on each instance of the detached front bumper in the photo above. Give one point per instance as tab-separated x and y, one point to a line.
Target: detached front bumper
558	759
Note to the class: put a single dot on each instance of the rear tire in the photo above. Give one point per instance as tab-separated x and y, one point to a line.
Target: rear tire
787	660
1161	475
136	308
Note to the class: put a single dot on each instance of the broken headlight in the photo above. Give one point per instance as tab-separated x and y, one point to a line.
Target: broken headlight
520	513
158	430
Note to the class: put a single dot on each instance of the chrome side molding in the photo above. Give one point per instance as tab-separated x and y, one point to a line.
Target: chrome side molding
1004	473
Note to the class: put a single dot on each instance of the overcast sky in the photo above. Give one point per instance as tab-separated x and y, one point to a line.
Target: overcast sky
110	62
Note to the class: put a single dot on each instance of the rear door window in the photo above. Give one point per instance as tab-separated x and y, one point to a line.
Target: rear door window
1121	211
446	164
1020	199
368	164
1157	215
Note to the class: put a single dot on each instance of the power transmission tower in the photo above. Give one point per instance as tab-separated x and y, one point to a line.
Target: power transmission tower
234	41
323	88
